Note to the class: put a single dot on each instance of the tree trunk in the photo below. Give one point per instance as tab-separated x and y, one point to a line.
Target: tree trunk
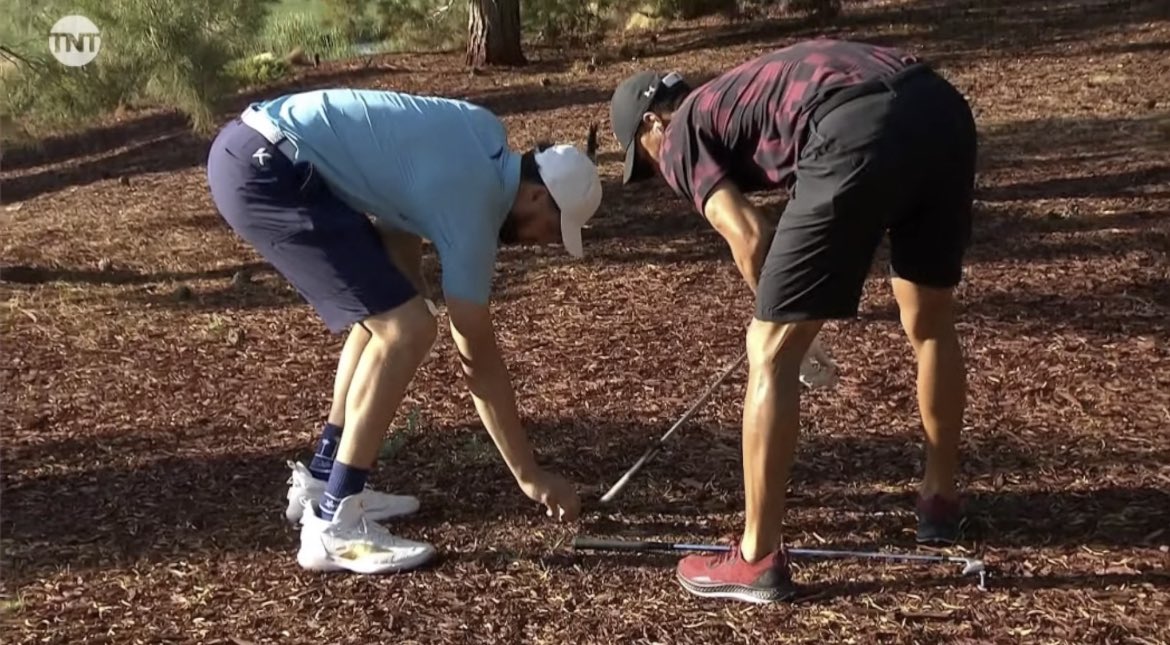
493	33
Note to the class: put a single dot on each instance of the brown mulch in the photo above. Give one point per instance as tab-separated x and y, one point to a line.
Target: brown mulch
146	428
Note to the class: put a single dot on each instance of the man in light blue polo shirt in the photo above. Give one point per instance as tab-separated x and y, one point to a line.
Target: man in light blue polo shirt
295	177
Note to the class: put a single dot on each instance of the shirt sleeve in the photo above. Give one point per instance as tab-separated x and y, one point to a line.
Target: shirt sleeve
468	261
692	162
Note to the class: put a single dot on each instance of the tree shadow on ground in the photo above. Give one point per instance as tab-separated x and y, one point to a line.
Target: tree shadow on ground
103	514
164	143
811	591
142	130
1038	180
527	99
157	493
1106	516
1064	158
169	152
954	28
700	475
1124	308
20	274
815	593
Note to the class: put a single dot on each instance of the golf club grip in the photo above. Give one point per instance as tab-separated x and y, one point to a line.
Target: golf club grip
599	544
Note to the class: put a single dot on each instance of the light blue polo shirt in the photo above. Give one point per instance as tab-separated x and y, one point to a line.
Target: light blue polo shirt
438	168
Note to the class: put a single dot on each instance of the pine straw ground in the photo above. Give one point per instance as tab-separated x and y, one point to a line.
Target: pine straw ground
146	435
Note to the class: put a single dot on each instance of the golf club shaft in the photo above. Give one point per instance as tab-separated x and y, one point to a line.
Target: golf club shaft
877	555
653	450
600	544
640	546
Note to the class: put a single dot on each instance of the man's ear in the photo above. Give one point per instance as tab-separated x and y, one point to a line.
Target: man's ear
540	193
591	143
649	118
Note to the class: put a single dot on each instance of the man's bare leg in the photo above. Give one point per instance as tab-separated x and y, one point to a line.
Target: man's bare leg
928	316
771	426
351	352
399	341
322	463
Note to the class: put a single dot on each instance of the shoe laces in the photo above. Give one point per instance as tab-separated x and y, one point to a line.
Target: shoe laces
730	555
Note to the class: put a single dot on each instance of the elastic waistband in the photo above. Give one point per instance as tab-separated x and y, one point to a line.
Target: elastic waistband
840	96
264	126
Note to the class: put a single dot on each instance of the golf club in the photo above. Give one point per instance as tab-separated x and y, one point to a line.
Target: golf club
817	371
970	565
621	483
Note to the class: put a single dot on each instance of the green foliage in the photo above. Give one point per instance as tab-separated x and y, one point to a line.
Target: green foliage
166	53
313	8
353	19
257	70
687	9
822	9
285	32
553	20
399	437
415	24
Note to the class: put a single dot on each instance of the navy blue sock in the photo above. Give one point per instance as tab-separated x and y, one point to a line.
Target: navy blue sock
345	480
322	462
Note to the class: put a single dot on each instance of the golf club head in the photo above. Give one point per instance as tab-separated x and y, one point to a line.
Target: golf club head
817	370
973	566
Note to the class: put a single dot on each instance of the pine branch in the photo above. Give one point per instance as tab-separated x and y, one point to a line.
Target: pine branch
16	59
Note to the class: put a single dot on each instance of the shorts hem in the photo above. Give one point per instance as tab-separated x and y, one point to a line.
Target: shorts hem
803	316
340	323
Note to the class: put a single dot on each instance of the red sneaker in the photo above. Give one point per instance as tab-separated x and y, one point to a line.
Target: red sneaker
941	521
728	575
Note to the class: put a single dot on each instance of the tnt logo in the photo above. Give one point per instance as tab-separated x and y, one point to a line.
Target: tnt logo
74	41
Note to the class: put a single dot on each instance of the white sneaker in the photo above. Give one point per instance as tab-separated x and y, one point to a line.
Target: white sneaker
352	542
379	506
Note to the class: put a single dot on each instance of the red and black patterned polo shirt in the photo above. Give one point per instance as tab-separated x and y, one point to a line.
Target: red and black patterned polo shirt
748	124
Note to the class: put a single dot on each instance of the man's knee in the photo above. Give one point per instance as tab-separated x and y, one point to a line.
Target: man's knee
779	348
927	313
409	325
924	325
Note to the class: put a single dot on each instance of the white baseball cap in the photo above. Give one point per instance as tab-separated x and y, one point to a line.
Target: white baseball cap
572	180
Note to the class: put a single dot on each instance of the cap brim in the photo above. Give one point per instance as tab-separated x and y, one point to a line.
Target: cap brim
635	170
571	237
631	161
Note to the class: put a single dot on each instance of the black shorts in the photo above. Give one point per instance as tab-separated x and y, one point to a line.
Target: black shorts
896	157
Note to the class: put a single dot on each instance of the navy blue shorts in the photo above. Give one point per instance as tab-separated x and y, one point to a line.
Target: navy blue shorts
331	253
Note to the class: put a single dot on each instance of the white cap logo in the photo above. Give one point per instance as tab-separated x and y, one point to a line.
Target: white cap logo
74	41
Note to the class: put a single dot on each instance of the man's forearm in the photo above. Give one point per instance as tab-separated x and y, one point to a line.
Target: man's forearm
749	263
749	252
495	400
743	226
409	261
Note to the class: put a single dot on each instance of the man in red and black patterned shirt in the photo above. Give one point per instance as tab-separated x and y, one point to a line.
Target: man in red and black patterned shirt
867	141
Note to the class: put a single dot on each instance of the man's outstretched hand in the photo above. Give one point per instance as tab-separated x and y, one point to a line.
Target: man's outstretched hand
558	495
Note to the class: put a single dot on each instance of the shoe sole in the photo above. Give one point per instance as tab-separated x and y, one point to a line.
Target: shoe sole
938	542
737	592
941	541
331	565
